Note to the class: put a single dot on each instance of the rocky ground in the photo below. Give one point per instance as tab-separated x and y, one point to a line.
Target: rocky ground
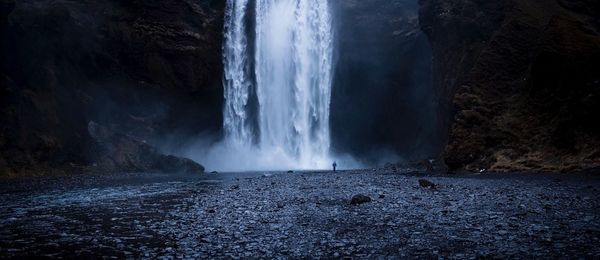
306	214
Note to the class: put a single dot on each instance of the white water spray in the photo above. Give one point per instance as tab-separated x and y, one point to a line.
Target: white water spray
290	72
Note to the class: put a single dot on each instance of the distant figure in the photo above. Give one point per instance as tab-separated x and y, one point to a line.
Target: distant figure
334	165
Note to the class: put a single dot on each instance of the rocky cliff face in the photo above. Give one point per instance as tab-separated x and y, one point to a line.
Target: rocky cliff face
140	68
516	83
143	71
382	94
521	79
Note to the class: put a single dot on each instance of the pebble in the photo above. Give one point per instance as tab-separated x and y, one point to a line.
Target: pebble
308	216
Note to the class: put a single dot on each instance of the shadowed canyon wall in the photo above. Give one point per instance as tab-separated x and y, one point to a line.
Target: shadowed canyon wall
143	69
383	101
520	82
78	76
515	84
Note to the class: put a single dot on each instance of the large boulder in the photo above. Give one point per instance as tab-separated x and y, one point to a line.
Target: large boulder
115	151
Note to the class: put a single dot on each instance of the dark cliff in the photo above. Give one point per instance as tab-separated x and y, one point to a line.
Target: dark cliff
149	72
515	83
519	82
382	95
141	69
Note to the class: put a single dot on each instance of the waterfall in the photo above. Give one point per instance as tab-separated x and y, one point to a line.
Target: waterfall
236	76
288	71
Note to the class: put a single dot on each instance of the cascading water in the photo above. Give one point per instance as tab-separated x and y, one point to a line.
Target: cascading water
236	83
289	70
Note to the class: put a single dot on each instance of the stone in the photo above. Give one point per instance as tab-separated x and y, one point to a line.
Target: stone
426	184
359	199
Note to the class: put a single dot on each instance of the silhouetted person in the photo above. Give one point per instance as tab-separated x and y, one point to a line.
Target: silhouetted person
334	165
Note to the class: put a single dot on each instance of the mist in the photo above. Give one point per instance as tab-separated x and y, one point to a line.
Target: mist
222	156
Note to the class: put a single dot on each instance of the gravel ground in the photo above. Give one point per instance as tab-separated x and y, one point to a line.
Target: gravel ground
295	215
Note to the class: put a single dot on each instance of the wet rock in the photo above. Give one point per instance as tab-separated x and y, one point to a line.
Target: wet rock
426	184
359	199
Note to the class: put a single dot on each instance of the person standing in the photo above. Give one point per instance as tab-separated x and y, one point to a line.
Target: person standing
334	166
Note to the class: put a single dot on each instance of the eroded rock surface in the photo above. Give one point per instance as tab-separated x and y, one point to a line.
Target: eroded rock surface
149	69
519	82
382	94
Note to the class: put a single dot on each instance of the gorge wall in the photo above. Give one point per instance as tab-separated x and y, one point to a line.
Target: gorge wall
515	83
141	70
79	76
519	82
383	100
